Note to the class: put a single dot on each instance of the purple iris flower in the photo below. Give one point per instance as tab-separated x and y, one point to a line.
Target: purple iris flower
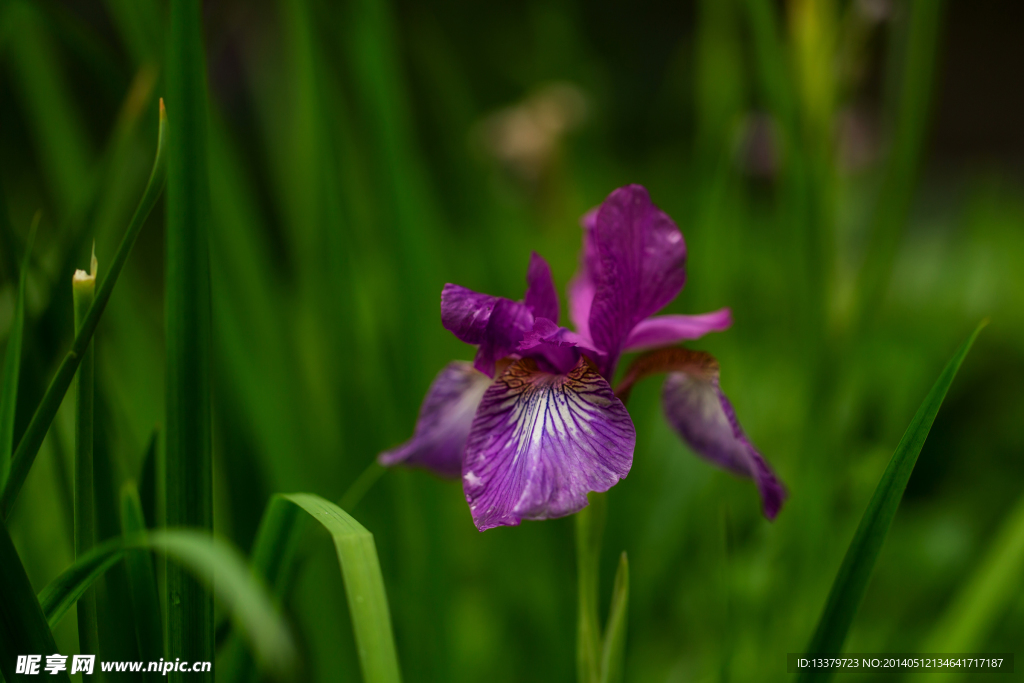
532	424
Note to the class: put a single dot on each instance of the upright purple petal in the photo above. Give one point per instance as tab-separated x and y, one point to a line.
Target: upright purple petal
641	257
443	425
541	296
581	287
581	296
495	324
541	441
664	330
696	407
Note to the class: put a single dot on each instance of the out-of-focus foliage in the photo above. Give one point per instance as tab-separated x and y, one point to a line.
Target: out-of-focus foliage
845	179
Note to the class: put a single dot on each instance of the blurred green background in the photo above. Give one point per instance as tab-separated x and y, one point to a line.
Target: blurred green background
847	175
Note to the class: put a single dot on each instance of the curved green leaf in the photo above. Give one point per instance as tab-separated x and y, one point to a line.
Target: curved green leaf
986	594
364	586
273	553
850	583
206	557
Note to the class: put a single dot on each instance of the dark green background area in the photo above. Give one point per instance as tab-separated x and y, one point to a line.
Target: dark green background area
857	240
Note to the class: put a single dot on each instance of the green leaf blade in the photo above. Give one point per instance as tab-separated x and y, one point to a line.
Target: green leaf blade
189	463
23	628
28	447
614	650
364	586
141	578
12	364
210	560
852	579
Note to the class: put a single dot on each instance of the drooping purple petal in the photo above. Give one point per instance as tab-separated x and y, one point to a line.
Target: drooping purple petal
541	296
495	324
696	407
541	441
664	330
444	422
641	257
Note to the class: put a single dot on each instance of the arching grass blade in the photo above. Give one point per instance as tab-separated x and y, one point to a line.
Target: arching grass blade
850	583
985	596
28	447
272	560
212	561
364	586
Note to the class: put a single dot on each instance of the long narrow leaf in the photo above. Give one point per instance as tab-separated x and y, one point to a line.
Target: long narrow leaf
12	364
850	583
63	592
23	628
28	447
364	586
141	578
189	466
214	562
272	555
984	597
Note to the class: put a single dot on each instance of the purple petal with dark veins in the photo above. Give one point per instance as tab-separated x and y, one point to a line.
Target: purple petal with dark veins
641	257
696	407
664	330
541	295
541	441
443	425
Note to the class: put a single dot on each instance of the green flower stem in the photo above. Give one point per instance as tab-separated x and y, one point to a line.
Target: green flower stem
83	286
589	529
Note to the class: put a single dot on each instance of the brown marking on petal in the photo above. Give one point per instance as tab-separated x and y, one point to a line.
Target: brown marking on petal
674	359
500	366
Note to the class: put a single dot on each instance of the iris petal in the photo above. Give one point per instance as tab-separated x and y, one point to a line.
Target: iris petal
541	295
444	422
664	330
581	287
696	407
640	267
495	324
541	441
